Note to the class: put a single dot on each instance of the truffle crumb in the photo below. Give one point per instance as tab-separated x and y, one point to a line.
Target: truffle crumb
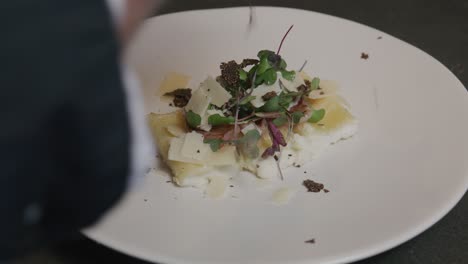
269	95
181	96
364	56
312	186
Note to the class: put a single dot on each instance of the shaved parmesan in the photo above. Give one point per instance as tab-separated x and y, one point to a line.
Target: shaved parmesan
173	81
194	148
250	127
219	96
292	85
175	150
224	156
204	124
199	102
214	112
261	90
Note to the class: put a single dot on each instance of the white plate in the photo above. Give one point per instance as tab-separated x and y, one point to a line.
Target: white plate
404	170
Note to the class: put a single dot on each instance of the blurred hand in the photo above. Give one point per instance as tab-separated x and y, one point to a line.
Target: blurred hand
133	14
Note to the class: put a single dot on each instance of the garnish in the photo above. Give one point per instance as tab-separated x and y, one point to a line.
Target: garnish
242	74
312	186
215	143
270	76
281	107
246	99
280	121
288	75
316	116
276	134
181	96
315	83
296	116
218	120
269	95
230	74
272	105
193	119
303	66
285	35
247	145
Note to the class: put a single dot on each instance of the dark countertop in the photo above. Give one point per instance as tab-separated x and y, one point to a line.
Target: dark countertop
436	26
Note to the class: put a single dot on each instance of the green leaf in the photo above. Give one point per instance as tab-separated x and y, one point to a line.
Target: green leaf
272	105
252	71
315	83
317	115
280	121
215	143
286	99
288	75
247	99
263	66
283	65
217	120
264	53
193	119
270	76
243	75
248	144
296	116
259	80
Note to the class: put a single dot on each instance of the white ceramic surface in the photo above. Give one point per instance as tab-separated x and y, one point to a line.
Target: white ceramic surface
403	171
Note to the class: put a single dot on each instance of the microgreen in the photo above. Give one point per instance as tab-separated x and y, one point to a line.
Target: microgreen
288	75
296	116
283	65
215	143
270	76
285	35
243	75
247	99
247	145
280	121
317	115
263	66
315	83
217	120
193	119
272	105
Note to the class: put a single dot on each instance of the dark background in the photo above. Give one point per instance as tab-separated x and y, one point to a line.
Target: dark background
438	27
